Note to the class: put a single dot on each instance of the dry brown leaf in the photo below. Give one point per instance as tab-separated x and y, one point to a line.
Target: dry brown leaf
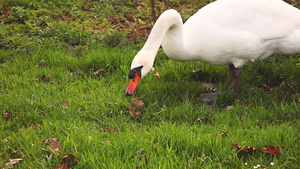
95	118
98	71
65	104
109	129
268	89
70	160
273	151
67	158
62	166
8	116
237	101
141	151
45	79
157	74
12	162
139	114
15	152
245	149
54	146
229	108
136	105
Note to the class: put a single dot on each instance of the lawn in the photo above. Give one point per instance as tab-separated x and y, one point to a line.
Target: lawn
63	101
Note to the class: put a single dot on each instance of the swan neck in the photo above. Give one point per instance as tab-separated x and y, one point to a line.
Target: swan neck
169	20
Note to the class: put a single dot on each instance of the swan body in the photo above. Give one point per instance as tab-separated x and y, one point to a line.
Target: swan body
225	32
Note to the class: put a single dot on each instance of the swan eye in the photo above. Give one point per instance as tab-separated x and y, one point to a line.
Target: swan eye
137	70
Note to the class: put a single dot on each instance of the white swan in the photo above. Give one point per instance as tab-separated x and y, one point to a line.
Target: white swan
225	32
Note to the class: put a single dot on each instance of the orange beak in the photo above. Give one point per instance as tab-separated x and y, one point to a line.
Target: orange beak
133	84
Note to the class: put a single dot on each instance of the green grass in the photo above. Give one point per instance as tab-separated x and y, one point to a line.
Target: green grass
177	129
70	40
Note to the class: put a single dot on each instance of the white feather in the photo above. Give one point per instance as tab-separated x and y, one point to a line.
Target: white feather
225	32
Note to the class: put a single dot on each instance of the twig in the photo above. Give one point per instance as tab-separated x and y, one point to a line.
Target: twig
93	117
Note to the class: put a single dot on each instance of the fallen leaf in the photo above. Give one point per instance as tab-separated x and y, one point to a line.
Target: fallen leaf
65	104
67	158
47	79
273	151
229	108
136	105
237	146
15	152
12	162
62	166
141	151
70	160
44	78
98	71
95	118
157	74
245	149
54	146
237	101
139	114
109	129
8	116
268	89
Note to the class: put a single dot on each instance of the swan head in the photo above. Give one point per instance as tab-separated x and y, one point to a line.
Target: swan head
140	67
